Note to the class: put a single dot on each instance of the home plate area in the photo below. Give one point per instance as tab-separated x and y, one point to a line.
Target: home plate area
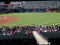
7	19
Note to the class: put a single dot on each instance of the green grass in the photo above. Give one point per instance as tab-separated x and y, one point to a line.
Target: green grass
34	19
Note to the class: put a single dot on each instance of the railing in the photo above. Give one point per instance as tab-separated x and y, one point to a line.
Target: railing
40	40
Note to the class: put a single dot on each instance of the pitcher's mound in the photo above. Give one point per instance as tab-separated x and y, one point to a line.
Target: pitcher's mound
7	19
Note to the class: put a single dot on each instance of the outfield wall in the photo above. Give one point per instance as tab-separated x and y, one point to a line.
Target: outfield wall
29	10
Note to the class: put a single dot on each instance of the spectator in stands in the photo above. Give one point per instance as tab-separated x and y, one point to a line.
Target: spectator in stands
4	33
59	28
30	32
32	27
11	33
17	29
3	29
36	28
55	29
27	27
47	27
40	30
26	32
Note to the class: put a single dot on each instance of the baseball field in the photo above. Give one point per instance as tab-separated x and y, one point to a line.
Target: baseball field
11	19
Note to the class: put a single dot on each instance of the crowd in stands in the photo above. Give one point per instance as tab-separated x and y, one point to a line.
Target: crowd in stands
7	30
30	6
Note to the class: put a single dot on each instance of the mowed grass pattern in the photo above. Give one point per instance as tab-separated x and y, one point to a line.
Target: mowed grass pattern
34	19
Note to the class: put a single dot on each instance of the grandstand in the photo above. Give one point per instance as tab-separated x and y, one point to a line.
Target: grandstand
34	20
40	6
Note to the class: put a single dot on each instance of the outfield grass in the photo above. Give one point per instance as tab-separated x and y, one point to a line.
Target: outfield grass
34	19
